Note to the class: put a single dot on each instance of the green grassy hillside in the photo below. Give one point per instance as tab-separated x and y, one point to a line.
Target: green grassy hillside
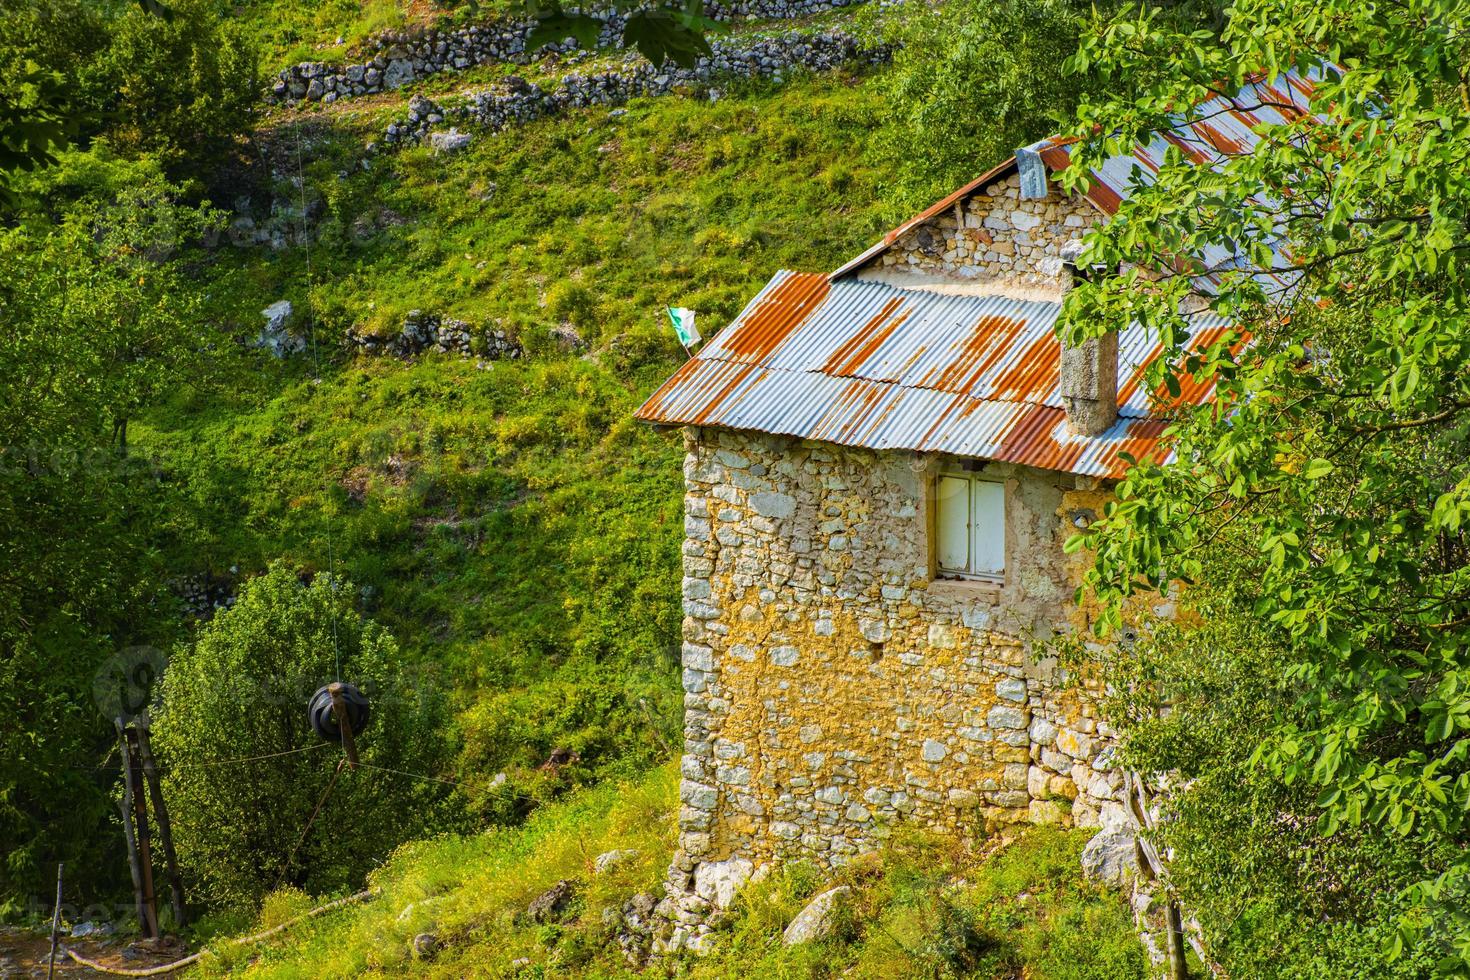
508	521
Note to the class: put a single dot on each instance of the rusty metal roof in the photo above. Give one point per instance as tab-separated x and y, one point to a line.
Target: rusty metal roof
876	365
1211	132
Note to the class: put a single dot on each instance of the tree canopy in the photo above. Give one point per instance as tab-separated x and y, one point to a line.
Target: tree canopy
1324	495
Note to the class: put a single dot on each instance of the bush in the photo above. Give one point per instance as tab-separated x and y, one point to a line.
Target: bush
186	87
181	88
240	691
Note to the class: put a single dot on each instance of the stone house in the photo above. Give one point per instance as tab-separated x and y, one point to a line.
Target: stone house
883	464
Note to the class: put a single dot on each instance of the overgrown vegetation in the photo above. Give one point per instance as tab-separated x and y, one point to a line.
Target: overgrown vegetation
1321	500
922	907
237	693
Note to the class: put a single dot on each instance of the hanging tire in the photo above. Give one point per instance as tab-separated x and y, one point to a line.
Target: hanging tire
323	719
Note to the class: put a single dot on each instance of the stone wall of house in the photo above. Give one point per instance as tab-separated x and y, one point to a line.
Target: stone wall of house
834	689
994	235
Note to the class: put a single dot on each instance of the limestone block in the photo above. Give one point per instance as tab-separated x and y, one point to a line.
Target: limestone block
718	882
785	656
1111	857
698	657
1005	716
1011	689
1061	786
1047	812
934	750
697	795
1074	744
773	505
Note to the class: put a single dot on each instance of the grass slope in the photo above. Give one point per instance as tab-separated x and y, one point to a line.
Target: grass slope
509	522
923	908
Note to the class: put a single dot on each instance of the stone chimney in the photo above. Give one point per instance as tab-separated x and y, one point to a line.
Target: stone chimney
1089	370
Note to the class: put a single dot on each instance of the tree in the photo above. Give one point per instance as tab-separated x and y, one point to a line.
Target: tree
187	85
972	81
177	81
99	324
1323	496
241	691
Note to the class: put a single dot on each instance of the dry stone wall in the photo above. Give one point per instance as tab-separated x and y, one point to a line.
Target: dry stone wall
400	58
514	101
834	690
994	235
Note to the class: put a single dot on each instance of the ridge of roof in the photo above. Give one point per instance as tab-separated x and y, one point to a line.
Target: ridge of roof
1217	123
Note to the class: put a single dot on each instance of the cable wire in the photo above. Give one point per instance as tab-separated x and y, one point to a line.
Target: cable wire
411	775
316	358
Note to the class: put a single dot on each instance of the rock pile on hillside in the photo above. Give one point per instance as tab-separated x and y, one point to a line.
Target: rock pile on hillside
516	101
401	57
422	332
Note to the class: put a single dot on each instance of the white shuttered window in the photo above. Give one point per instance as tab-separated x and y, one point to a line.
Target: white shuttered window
969	527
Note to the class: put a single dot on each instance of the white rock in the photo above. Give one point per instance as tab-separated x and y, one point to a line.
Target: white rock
449	140
1111	858
611	859
818	920
718	882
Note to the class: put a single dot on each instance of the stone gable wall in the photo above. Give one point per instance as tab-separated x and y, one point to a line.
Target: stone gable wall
834	691
996	235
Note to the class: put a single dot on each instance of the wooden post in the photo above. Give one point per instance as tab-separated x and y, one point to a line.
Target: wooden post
55	925
126	805
165	826
1178	961
140	813
339	708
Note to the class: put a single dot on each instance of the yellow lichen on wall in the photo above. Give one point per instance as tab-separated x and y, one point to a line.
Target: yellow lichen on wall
835	689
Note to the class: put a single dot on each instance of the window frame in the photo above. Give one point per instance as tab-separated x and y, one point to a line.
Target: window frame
972	476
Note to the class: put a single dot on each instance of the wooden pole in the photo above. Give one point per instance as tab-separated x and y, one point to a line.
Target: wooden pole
1178	962
55	925
339	708
165	826
126	805
140	813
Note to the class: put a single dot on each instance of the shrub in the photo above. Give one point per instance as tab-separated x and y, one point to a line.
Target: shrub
240	691
185	88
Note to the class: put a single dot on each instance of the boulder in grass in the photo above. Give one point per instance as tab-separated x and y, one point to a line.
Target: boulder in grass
820	918
550	904
449	141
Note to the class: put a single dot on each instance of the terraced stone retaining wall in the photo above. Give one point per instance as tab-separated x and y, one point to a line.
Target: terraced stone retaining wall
400	57
516	101
834	689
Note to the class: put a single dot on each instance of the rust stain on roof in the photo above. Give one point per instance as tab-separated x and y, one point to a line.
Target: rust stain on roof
1191	152
1032	441
975	356
1036	369
772	320
718	399
855	352
1218	139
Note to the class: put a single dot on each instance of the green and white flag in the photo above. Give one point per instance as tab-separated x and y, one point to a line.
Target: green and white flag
683	321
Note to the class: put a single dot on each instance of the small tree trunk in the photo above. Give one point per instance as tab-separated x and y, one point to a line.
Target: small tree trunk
1178	962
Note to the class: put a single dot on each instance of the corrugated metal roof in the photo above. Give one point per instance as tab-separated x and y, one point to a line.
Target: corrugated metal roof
872	364
1210	133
